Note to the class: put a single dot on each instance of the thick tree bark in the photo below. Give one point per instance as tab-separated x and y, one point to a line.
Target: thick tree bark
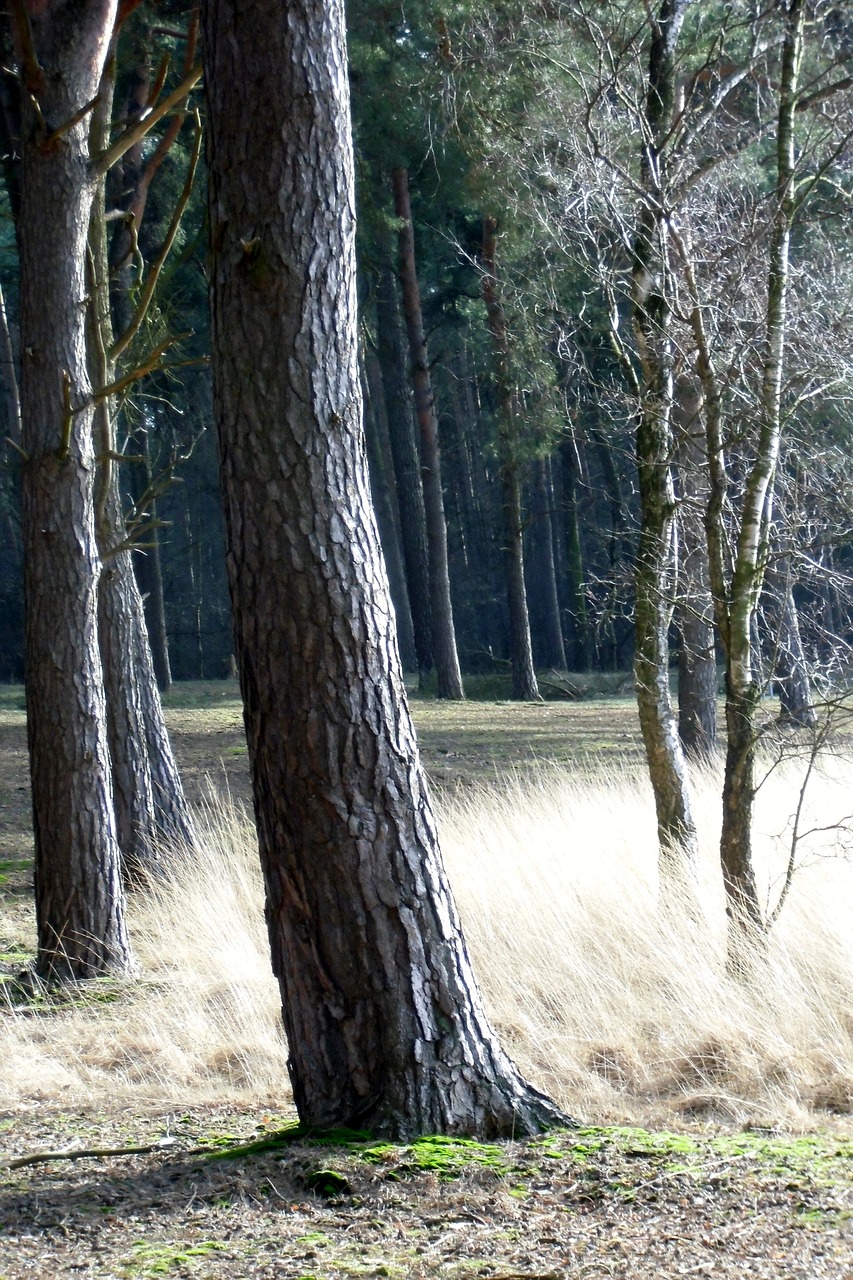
523	676
384	1023
656	557
441	608
407	465
79	894
694	614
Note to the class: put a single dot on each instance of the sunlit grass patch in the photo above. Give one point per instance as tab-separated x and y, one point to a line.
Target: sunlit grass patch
619	1010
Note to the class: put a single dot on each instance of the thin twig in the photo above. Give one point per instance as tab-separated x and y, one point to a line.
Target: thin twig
121	344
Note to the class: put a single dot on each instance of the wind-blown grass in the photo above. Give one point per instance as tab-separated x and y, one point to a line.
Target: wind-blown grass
621	1011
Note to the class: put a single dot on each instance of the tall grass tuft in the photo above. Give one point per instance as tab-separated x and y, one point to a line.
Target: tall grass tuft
619	1009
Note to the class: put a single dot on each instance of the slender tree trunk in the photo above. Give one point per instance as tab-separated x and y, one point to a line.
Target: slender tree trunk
9	377
790	669
582	647
79	893
656	551
441	609
524	687
407	466
148	795
128	185
742	689
697	663
147	560
383	505
553	652
384	1023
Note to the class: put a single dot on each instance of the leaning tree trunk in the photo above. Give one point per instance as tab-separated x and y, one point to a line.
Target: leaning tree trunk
79	894
656	557
384	1023
523	676
443	634
694	614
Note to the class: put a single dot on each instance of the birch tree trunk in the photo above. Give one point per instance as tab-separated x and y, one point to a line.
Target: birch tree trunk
743	690
385	1026
656	552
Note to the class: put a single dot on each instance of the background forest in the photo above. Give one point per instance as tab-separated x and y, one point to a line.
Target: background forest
513	133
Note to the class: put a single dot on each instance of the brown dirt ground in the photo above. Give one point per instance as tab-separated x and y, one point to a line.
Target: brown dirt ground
618	1212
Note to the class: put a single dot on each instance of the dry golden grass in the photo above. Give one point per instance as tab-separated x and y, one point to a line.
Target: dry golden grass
621	1012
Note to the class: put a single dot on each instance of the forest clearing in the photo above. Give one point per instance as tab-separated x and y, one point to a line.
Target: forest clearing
742	1164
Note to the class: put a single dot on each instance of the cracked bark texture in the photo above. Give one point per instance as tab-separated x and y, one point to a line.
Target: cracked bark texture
79	895
385	1026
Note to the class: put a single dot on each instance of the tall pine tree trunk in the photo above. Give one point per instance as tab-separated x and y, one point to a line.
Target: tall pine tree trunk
790	669
523	676
441	608
407	464
550	631
385	1027
79	893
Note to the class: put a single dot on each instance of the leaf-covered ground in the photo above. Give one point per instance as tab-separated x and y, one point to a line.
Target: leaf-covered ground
589	1202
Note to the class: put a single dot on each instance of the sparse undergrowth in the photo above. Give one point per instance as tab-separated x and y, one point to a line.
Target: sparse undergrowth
232	1197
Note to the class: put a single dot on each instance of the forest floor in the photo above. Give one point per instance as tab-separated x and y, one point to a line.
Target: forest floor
590	1202
586	1203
